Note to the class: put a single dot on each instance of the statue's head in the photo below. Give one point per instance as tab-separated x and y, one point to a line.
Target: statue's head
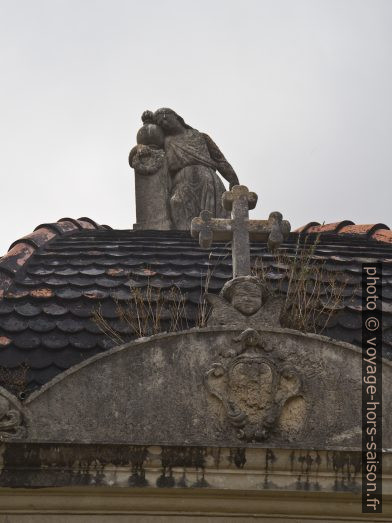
170	121
245	293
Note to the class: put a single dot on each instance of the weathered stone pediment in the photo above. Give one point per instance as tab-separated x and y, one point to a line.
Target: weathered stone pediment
217	387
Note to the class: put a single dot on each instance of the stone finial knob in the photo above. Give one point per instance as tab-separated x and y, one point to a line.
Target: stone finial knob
279	230
201	228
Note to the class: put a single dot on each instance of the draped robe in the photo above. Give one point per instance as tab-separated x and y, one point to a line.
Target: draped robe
195	184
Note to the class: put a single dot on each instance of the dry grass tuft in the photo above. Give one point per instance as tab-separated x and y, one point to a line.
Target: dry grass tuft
312	292
148	311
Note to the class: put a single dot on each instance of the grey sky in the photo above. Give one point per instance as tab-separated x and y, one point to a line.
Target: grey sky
296	93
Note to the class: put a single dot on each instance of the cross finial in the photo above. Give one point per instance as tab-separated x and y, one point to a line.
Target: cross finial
239	228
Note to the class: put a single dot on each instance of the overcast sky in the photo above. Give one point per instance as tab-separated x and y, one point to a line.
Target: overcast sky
297	94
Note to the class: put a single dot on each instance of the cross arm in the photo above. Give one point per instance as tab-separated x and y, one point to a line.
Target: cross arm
273	231
207	229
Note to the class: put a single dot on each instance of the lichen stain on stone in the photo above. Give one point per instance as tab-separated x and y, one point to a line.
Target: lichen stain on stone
188	457
238	457
166	480
138	457
215	453
309	468
346	467
200	483
26	465
270	458
181	457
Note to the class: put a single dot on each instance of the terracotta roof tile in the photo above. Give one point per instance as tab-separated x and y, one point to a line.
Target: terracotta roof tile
36	238
367	229
16	257
314	227
305	228
376	231
383	235
4	341
22	249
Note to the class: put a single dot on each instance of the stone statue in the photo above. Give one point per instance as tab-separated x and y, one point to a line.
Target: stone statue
184	163
245	301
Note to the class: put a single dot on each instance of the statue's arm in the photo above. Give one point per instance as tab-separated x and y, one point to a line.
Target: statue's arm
222	165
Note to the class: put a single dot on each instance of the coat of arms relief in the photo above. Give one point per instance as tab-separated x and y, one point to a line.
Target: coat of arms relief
251	380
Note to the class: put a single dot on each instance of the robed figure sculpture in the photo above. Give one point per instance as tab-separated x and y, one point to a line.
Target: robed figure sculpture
175	167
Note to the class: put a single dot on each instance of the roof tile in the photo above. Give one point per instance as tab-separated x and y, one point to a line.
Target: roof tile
367	229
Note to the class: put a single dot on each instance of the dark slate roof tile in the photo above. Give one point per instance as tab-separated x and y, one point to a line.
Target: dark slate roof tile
163	283
121	294
338	332
92	326
387	292
40	358
26	340
56	281
15	292
28	281
81	309
117	272
66	271
39	270
132	284
352	305
106	343
96	294
178	262
84	340
80	281
6	307
350	320
195	297
109	308
45	375
13	323
68	293
81	264
108	283
92	271
387	336
122	327
70	325
27	309
65	356
11	356
42	324
55	340
132	262
386	307
54	309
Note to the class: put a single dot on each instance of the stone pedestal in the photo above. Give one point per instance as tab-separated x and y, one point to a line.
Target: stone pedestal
152	190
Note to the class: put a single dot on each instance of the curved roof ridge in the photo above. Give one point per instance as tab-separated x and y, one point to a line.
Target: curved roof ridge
22	249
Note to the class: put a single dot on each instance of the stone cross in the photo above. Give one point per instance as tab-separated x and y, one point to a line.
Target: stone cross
239	229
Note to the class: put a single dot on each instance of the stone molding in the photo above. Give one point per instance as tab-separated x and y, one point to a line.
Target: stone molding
261	482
